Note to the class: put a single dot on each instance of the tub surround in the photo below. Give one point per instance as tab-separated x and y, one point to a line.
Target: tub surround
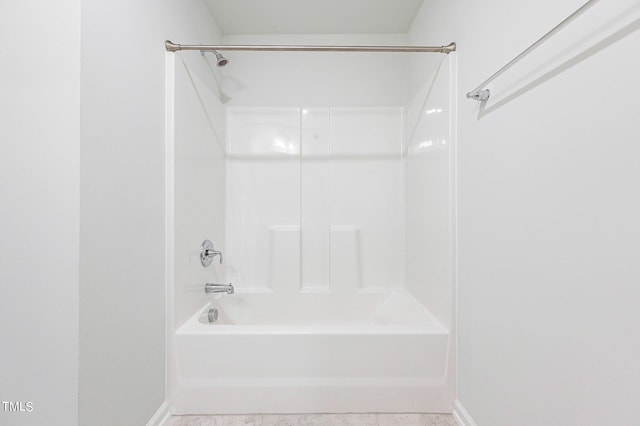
314	237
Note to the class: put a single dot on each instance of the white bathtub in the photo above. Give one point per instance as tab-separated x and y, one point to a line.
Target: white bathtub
310	353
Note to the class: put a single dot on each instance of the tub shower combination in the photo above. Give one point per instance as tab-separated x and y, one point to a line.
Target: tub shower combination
323	287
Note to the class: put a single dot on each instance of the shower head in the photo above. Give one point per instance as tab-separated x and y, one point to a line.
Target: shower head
221	61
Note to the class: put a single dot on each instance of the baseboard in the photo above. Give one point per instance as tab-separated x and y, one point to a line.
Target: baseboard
160	416
461	415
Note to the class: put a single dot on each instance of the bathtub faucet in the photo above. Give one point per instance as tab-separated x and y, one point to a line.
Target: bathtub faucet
218	288
207	253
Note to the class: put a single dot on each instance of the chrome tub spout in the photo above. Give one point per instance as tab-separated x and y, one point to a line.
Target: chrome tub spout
210	288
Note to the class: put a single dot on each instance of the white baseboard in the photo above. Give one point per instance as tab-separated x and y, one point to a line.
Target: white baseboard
160	416
461	415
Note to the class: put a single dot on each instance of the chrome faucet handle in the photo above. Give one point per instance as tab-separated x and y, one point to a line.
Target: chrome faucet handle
213	253
207	253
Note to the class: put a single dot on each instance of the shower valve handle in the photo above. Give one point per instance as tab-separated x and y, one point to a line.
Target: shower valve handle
207	253
213	253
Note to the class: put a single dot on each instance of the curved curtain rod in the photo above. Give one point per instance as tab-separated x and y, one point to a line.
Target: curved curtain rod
173	47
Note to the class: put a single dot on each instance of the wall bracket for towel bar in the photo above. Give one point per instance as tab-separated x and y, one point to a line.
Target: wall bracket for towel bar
481	94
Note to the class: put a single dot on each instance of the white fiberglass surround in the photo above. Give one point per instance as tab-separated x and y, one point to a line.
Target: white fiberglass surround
336	307
315	199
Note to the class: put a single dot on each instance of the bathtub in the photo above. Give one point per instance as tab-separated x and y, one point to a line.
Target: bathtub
310	353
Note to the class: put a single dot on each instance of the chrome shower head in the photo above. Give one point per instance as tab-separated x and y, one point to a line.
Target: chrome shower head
221	61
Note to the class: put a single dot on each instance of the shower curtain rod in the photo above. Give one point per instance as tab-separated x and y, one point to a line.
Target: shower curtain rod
173	47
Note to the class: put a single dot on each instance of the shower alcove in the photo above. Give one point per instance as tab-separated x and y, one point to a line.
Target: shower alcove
326	180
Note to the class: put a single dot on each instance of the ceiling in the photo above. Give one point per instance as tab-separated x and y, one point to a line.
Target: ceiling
314	16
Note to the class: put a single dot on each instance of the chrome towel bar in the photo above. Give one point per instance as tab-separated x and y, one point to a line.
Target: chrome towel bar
481	94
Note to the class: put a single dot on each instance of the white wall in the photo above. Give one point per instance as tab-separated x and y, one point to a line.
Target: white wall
285	79
39	193
548	230
122	292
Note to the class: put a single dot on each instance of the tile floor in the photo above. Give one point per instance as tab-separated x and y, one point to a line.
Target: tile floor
315	420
